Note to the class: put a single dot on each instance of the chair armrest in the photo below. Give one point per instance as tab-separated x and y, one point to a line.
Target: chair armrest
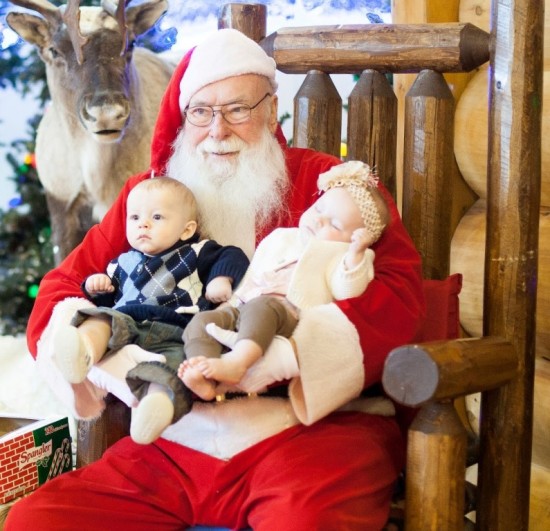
431	375
416	374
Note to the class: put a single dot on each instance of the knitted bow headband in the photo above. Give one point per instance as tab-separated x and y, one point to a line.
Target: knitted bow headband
358	178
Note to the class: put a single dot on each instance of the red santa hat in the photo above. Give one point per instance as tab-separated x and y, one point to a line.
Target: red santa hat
224	54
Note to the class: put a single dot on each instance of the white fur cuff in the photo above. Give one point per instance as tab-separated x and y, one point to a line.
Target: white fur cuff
330	360
84	400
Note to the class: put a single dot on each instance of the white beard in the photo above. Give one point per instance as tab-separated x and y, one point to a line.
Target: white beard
235	198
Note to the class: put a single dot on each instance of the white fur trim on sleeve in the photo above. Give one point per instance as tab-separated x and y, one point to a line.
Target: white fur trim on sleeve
84	400
330	360
348	283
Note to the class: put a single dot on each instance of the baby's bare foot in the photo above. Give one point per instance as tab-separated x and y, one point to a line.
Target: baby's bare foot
184	365
195	380
226	370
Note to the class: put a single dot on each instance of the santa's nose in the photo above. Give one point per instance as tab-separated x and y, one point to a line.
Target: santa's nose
219	128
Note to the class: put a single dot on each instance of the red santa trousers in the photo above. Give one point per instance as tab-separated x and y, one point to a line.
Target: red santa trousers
337	474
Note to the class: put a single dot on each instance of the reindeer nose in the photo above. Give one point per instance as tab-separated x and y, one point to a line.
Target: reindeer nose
105	113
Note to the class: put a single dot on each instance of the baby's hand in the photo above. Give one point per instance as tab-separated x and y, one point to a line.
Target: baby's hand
219	289
361	240
99	283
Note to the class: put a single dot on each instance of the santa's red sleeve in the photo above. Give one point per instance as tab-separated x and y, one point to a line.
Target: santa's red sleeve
101	244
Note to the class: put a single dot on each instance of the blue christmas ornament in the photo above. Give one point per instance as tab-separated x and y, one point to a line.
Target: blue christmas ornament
15	201
157	39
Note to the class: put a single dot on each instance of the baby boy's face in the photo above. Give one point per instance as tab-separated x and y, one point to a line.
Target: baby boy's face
155	220
333	217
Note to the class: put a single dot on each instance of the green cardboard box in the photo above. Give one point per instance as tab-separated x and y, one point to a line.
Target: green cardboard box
32	451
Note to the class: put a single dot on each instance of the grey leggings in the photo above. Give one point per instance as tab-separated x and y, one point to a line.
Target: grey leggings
259	320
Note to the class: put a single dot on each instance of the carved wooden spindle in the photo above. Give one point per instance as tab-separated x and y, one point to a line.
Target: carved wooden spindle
350	49
427	158
431	375
372	126
318	114
437	431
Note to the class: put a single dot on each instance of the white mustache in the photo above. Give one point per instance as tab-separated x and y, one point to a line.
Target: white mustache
231	145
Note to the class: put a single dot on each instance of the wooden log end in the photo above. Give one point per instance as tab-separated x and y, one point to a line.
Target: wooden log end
474	47
410	375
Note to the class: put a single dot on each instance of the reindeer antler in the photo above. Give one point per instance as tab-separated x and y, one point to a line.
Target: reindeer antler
50	12
71	17
119	13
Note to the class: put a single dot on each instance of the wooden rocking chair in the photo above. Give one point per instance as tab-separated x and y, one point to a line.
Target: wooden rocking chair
431	375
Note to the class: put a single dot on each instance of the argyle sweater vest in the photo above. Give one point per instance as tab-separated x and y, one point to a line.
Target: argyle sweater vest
170	287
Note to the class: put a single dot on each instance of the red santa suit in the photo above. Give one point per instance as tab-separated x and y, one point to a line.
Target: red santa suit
322	459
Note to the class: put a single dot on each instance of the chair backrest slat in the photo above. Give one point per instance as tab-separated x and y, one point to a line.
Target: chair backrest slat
427	159
372	126
318	114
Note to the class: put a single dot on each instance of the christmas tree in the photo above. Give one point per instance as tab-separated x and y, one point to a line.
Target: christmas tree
25	250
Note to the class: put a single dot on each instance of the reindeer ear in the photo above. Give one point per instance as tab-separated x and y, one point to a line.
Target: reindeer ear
141	18
34	30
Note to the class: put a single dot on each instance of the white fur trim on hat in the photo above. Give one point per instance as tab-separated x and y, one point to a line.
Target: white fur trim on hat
226	53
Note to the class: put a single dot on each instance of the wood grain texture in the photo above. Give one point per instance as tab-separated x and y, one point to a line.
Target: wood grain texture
318	114
372	126
428	157
445	47
511	260
416	374
435	489
251	19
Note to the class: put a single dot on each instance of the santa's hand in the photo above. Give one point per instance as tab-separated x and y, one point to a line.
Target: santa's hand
110	373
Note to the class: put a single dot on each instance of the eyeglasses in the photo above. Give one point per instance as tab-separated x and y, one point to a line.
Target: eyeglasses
233	113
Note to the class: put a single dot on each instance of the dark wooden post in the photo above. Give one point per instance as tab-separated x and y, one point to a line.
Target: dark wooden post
318	114
95	436
437	431
251	19
427	161
513	204
372	126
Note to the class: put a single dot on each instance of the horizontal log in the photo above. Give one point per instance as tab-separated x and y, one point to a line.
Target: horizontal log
416	374
398	48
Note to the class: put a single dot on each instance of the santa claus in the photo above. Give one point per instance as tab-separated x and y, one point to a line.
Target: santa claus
324	457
